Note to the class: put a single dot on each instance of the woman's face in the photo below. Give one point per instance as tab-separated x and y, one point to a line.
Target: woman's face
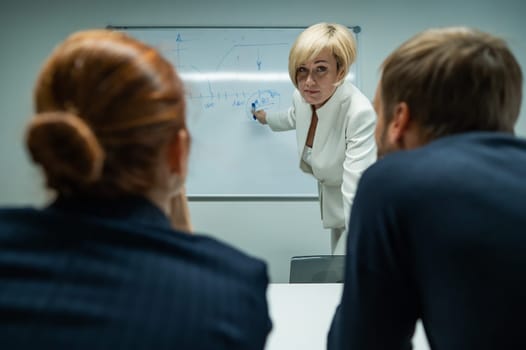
317	78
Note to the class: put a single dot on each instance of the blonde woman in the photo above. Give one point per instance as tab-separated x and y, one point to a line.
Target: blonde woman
334	121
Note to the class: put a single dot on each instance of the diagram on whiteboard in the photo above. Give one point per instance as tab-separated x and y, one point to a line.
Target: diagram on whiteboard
236	71
226	71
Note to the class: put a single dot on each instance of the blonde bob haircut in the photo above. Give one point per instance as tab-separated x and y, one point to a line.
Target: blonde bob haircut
318	37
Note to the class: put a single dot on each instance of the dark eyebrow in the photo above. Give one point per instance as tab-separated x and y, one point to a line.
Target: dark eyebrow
321	61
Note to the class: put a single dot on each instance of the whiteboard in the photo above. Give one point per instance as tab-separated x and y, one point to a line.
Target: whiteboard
225	70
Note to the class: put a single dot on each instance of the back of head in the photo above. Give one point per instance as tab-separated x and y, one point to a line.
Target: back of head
106	106
454	80
335	37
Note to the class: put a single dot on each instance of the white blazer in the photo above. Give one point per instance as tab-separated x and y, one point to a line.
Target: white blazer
343	146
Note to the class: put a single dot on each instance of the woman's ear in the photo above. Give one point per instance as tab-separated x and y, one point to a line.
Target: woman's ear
341	75
178	151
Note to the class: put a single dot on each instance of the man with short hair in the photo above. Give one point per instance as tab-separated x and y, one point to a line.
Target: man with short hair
438	226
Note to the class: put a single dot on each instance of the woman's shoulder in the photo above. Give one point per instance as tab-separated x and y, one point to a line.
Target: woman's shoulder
352	93
355	103
141	239
297	98
23	215
228	254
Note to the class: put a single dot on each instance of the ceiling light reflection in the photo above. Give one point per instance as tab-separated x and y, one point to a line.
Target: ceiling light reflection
234	76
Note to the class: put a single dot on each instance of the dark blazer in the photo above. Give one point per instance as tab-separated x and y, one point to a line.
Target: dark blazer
438	234
91	274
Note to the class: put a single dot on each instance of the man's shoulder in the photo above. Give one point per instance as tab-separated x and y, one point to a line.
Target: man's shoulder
396	169
404	170
446	159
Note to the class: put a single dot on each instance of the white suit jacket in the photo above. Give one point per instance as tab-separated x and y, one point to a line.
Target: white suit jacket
343	147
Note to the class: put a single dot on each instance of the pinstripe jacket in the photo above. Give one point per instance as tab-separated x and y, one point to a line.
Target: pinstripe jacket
88	274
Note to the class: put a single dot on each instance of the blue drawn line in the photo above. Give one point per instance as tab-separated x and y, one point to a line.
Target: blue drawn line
178	42
245	45
168	52
258	61
210	90
262	99
237	94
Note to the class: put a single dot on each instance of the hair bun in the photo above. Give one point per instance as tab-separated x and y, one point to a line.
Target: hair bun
66	148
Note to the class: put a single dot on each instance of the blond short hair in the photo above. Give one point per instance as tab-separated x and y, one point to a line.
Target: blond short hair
318	37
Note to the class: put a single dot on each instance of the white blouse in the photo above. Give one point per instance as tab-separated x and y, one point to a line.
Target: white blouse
307	155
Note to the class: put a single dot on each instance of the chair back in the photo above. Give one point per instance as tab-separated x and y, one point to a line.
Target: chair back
317	269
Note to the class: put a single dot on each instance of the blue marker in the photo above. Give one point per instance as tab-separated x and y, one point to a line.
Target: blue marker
253	110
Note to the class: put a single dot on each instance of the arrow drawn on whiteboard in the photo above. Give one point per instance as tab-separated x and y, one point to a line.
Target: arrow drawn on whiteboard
237	46
258	61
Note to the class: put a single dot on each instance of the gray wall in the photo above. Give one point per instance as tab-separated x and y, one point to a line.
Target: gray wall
274	231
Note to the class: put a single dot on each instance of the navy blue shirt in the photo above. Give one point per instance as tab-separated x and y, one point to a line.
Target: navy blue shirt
92	274
438	233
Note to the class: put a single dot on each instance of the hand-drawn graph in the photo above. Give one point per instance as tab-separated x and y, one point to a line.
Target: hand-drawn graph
225	71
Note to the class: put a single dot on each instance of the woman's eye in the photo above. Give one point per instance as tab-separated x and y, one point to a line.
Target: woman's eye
302	70
321	69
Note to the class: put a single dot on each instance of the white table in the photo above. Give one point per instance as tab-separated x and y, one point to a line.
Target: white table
302	314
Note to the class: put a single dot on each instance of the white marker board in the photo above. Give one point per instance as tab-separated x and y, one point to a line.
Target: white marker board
225	70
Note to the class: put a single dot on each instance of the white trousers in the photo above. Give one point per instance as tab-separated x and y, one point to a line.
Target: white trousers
338	241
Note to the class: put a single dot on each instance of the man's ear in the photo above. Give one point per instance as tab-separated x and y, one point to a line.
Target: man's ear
399	126
178	150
